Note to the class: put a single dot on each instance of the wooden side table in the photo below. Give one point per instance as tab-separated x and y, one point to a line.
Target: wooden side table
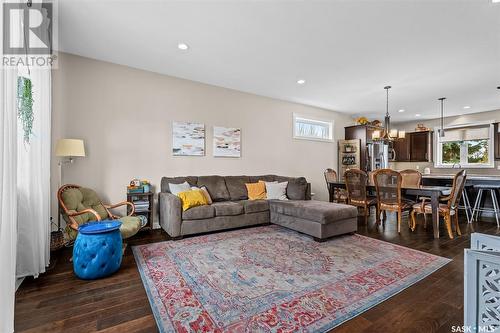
144	204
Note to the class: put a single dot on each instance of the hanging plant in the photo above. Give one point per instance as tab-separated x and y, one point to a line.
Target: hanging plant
25	106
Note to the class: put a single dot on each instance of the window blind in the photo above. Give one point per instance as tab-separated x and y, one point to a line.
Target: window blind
466	133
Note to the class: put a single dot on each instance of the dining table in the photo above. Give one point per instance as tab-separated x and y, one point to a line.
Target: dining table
433	192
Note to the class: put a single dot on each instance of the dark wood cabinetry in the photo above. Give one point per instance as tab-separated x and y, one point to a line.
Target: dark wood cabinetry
415	147
419	146
401	151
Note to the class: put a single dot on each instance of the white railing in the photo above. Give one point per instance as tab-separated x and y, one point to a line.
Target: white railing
482	284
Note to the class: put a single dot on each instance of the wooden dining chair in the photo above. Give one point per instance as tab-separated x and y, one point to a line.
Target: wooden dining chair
355	182
446	210
410	178
335	194
388	186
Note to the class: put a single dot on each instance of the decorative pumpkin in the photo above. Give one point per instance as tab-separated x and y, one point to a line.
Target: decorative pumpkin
362	120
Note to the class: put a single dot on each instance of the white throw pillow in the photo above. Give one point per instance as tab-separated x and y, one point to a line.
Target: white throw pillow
276	191
175	189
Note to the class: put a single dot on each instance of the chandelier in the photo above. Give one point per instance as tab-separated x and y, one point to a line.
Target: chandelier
388	133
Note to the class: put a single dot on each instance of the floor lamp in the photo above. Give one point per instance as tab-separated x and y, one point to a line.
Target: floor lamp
67	148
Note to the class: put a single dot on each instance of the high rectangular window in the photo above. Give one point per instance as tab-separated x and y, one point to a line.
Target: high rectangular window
312	129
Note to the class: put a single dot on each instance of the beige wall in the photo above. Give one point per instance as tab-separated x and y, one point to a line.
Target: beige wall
493	116
125	117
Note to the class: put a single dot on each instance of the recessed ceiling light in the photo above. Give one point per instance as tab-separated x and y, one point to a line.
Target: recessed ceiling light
401	110
417	115
301	81
182	46
467	107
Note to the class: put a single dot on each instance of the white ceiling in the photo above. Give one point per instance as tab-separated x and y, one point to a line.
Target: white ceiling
347	51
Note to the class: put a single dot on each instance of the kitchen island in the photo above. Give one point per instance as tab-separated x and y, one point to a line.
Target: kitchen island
472	179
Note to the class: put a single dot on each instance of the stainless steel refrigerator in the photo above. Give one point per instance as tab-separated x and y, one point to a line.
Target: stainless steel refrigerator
377	156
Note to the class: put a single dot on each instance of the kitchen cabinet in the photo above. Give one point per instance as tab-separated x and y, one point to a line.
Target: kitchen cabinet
415	147
401	151
419	146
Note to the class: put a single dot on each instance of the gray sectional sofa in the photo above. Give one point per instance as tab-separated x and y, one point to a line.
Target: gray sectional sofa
231	208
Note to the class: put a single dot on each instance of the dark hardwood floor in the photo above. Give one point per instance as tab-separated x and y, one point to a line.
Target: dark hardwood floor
59	302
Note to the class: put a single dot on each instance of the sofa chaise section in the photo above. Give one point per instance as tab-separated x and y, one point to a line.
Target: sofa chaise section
315	218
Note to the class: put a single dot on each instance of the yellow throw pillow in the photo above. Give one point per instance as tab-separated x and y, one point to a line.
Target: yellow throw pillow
256	191
192	198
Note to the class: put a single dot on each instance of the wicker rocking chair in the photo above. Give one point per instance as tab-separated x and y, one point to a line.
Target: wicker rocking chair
79	205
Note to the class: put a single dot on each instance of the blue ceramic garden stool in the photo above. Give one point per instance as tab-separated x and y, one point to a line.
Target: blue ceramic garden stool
98	249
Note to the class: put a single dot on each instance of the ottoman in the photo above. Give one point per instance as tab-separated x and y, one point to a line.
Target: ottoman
315	218
98	249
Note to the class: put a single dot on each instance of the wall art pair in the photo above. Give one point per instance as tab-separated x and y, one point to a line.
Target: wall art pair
188	139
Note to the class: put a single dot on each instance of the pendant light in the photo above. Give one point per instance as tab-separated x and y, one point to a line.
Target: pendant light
389	135
441	130
387	116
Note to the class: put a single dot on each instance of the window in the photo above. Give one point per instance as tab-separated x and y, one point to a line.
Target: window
469	146
312	129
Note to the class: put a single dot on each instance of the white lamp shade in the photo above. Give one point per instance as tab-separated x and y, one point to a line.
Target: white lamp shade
393	133
376	135
70	147
402	134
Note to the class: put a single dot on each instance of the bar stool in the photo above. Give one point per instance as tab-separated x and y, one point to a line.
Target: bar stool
467	206
492	189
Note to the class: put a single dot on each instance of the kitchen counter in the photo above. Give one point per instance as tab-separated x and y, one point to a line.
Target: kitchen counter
470	176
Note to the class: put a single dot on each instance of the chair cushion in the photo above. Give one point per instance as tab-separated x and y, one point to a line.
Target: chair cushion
130	226
216	186
443	208
78	199
199	213
228	208
255	206
318	211
192	180
236	187
405	205
369	201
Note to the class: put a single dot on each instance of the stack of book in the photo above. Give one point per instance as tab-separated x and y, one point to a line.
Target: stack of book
141	206
135	189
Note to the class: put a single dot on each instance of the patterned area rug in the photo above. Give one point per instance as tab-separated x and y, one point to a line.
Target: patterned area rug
271	279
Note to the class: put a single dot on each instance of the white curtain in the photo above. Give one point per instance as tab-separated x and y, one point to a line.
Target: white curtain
8	198
33	184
